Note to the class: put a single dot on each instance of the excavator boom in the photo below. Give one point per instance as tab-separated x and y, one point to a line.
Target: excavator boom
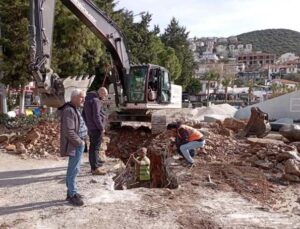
55	90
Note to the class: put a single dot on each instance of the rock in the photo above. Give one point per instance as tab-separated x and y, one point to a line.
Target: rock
4	138
263	164
264	141
11	147
21	148
291	132
286	155
93	181
292	167
296	211
280	123
233	124
226	132
297	145
280	167
205	132
290	177
32	136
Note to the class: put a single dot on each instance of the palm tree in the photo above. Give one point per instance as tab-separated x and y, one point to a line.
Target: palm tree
226	83
210	76
250	90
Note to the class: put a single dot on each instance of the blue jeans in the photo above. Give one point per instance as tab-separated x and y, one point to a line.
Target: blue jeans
73	170
186	148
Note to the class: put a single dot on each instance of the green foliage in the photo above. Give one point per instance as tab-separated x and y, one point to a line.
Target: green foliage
175	36
14	28
278	41
76	50
194	86
4	118
292	77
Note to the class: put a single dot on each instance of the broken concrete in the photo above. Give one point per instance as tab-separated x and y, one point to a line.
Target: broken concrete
291	132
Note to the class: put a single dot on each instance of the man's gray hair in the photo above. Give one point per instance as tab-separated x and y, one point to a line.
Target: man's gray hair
76	92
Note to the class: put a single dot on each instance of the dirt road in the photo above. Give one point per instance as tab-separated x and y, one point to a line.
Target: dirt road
32	194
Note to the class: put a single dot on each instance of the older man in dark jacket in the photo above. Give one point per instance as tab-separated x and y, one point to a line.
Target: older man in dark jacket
95	118
73	133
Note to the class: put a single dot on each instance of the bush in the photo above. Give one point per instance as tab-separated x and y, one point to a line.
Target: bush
4	118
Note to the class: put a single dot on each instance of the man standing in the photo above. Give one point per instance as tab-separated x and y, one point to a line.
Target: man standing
73	133
95	118
187	140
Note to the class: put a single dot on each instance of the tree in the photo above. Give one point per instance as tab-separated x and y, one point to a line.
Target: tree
226	82
176	36
194	86
76	50
14	28
210	76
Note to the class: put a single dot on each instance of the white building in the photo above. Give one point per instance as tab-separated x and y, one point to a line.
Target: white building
287	57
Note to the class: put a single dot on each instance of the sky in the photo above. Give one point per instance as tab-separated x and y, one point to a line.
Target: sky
220	18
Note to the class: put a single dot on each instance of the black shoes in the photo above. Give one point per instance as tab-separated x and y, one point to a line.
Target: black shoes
79	195
75	200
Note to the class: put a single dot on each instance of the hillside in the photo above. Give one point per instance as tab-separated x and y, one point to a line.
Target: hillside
276	41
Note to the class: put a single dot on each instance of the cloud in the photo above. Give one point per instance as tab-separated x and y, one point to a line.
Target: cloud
220	17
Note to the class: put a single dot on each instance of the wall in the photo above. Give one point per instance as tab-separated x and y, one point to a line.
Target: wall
285	106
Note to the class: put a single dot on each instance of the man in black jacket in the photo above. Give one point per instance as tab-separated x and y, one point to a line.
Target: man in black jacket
95	118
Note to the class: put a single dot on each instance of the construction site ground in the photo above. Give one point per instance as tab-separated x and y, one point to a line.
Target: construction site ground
32	195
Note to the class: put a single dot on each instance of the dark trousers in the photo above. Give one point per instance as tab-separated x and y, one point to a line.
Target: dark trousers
95	144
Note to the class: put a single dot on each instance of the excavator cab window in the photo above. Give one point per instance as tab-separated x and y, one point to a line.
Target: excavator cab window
137	79
164	87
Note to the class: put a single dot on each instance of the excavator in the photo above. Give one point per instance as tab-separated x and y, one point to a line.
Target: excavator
137	90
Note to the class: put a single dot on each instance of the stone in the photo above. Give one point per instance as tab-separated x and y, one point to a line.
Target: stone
11	147
292	167
290	177
264	141
205	132
4	138
296	144
291	132
21	148
233	124
32	137
226	132
286	155
280	123
263	164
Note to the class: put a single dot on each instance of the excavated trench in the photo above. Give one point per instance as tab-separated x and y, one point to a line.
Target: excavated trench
128	140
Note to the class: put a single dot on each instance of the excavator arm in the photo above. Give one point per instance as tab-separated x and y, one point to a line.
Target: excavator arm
55	90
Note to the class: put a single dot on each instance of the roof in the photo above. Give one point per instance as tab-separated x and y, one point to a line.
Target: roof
284	81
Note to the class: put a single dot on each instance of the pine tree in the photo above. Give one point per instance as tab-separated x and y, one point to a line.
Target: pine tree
176	36
14	28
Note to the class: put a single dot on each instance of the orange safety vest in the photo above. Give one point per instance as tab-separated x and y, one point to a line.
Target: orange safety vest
193	133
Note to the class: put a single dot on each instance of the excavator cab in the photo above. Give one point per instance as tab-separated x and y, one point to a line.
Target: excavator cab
148	84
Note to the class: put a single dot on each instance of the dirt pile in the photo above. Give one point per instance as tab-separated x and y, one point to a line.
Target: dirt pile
42	141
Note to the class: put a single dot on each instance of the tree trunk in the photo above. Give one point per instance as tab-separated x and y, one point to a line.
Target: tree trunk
208	90
22	101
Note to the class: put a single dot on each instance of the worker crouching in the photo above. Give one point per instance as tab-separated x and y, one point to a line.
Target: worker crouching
188	139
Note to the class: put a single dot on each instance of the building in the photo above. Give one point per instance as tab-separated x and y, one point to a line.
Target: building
287	83
256	59
276	71
288	57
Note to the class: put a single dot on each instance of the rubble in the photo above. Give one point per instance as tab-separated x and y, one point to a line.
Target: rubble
42	141
291	132
233	124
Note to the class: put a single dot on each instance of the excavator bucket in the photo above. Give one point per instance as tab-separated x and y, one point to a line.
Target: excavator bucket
64	87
